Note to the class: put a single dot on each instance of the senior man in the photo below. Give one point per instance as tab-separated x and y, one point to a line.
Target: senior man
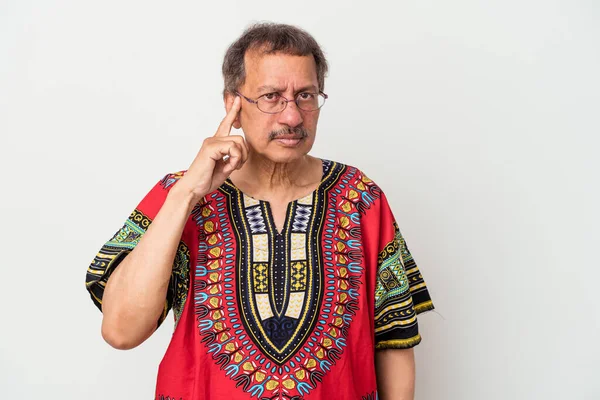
287	274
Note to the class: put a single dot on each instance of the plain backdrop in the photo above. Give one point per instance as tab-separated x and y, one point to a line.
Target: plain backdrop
479	119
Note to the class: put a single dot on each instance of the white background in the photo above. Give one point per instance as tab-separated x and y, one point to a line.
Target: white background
479	119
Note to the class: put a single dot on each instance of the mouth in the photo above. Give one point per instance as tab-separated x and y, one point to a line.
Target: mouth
288	140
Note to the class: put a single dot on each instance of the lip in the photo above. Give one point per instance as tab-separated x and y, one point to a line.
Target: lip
288	141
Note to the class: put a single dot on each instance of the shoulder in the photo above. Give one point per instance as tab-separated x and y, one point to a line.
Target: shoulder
354	176
156	196
355	186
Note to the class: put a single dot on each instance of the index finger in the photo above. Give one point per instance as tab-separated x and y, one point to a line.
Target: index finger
226	124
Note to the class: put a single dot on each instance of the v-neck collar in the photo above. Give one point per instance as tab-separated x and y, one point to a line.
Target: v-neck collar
270	220
266	205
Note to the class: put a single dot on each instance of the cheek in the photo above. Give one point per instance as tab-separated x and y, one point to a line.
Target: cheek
256	130
310	122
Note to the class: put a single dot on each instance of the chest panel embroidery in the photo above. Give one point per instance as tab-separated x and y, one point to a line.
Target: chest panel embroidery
273	310
280	284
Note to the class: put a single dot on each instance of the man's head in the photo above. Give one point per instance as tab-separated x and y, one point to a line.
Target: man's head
268	64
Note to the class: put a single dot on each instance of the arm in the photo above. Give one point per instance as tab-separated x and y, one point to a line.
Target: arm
135	293
395	369
400	294
134	296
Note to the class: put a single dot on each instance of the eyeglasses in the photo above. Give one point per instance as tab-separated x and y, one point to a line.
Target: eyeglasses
274	103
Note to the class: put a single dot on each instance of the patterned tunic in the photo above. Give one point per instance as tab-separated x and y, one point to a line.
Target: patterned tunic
296	314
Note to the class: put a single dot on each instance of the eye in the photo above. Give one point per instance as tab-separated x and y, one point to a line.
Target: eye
306	96
271	97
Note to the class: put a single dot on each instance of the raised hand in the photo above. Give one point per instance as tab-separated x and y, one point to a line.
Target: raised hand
218	157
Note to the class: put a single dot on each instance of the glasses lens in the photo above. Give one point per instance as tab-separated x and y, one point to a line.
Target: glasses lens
271	103
310	101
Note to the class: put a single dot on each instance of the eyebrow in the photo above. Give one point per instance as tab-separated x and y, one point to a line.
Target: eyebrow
275	89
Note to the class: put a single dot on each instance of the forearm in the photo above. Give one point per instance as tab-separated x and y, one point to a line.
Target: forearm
135	293
395	371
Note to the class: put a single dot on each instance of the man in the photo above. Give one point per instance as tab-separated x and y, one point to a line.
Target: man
287	274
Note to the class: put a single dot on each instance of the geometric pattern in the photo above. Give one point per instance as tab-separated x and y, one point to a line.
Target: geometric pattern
395	311
120	245
255	219
273	309
280	344
301	218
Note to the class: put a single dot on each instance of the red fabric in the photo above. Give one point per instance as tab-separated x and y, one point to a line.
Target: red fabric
216	353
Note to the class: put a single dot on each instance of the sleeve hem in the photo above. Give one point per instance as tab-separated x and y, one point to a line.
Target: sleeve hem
399	343
424	306
97	278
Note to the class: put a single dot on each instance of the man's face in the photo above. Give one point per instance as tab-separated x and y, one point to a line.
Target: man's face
290	134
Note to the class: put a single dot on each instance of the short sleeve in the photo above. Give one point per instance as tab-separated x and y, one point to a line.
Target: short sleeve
124	241
401	293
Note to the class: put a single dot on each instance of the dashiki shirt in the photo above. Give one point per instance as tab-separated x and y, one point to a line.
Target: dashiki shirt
294	315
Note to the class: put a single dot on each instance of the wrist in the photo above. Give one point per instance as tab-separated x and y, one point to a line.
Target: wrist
183	196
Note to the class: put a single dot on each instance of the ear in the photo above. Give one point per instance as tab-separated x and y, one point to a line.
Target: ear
228	100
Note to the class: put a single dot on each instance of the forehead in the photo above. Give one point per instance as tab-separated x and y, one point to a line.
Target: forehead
279	70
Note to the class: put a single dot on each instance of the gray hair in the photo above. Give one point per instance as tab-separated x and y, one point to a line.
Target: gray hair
270	38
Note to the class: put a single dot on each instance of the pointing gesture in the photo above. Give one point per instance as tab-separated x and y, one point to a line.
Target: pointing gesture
218	157
225	125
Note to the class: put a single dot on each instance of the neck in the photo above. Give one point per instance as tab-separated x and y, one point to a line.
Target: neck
264	177
273	175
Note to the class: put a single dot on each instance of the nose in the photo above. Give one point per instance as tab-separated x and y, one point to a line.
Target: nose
291	115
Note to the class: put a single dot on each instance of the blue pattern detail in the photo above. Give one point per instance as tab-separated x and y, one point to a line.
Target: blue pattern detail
256	219
301	218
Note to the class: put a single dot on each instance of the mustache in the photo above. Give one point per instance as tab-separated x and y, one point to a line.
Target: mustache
300	131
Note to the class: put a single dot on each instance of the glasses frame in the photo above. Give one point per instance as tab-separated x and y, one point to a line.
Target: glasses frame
255	101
